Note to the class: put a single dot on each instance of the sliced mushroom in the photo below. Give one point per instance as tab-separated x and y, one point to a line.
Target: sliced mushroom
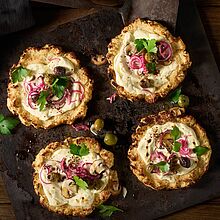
129	50
150	167
168	142
146	83
115	186
53	177
97	184
174	166
97	167
69	189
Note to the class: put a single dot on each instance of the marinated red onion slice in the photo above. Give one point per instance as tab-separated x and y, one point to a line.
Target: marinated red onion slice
164	51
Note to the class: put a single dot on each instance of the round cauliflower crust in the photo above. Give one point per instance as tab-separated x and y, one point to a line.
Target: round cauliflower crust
112	188
179	55
138	166
34	55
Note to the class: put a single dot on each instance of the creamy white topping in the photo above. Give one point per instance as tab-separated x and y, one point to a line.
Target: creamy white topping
84	197
38	70
146	146
130	80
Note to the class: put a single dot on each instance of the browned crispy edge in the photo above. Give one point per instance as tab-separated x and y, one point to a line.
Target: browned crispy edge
178	47
34	55
111	189
138	166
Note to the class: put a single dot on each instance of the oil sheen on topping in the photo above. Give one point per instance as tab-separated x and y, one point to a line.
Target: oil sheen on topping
146	147
84	198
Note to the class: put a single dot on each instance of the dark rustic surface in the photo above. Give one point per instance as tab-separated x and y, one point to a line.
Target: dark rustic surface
81	3
167	11
29	141
15	15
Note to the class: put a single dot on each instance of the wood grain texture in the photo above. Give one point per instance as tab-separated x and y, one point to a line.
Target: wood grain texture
15	15
210	15
3	195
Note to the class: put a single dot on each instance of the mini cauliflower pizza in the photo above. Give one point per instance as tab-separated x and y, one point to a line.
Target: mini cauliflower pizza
169	150
75	176
146	61
48	87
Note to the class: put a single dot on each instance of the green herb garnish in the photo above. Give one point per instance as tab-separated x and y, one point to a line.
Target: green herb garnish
174	96
176	146
79	150
42	100
149	45
163	166
175	133
200	150
80	182
107	210
7	124
58	86
19	74
151	67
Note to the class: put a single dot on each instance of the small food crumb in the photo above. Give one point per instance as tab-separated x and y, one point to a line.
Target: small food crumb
112	98
99	60
124	191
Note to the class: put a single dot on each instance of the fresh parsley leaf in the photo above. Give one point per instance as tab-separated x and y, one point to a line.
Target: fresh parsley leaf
58	86
175	133
150	46
74	149
151	67
139	44
200	150
42	100
83	150
19	74
108	210
7	124
176	146
163	166
174	96
80	182
79	150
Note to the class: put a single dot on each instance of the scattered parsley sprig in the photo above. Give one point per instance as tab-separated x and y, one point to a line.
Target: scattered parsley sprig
108	210
176	134
174	96
42	100
149	45
19	73
7	124
151	67
80	182
200	150
79	150
163	166
58	86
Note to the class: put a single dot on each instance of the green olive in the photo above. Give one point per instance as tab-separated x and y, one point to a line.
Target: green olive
110	139
183	101
98	124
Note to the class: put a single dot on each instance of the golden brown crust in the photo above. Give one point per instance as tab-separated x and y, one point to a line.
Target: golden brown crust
39	55
179	54
45	154
138	166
